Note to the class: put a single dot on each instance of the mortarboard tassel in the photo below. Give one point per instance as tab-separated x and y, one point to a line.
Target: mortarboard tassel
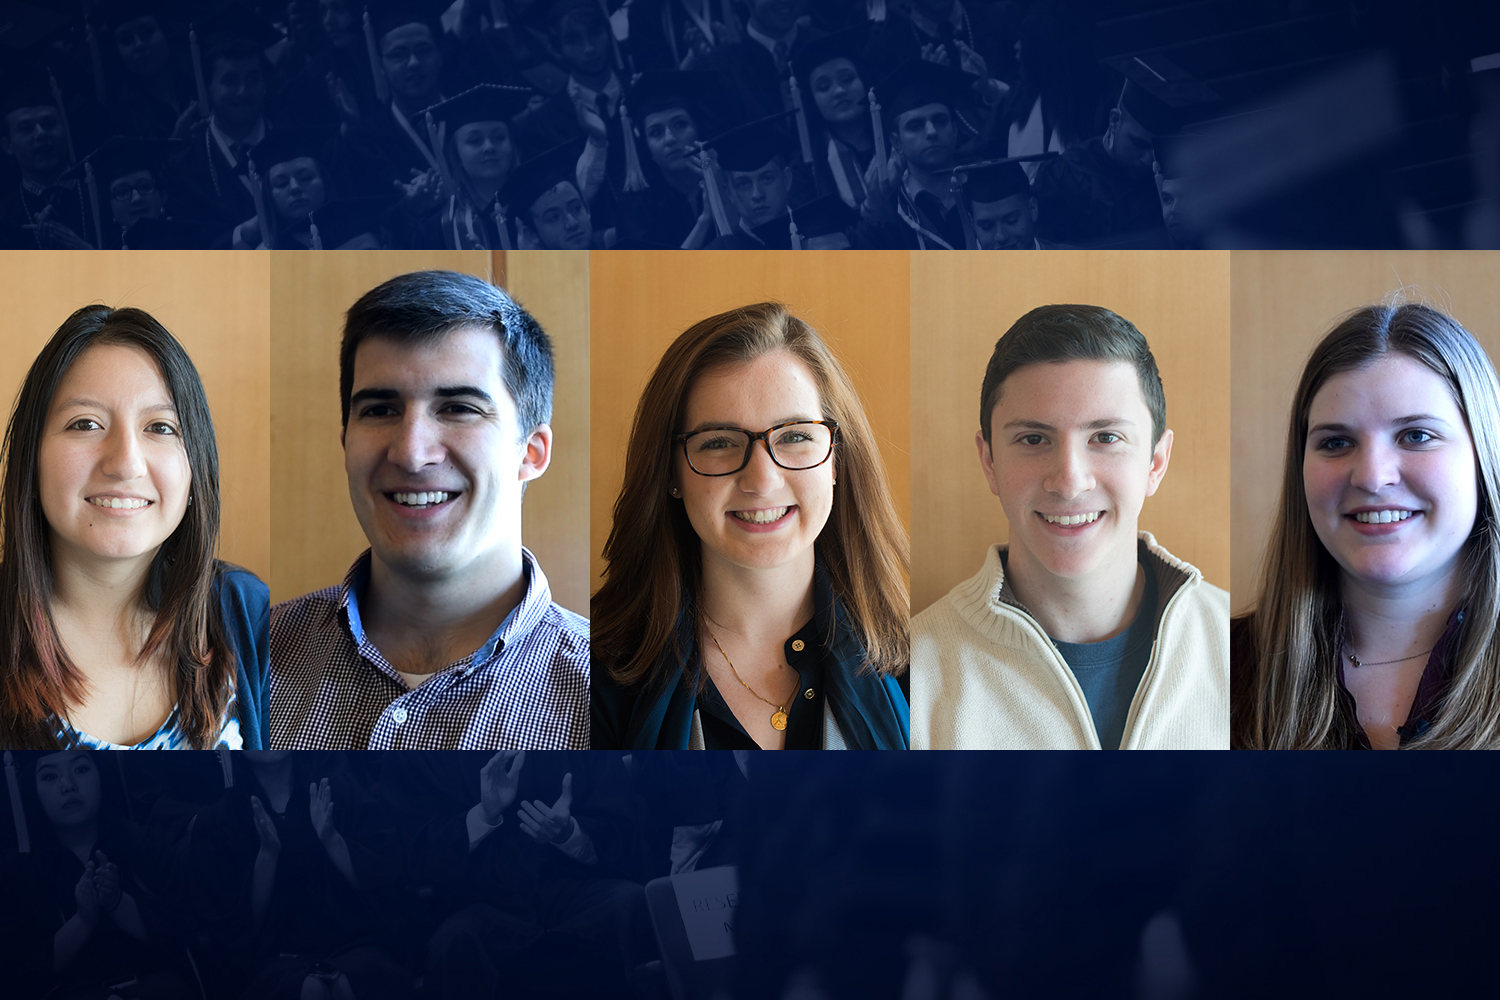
711	191
382	87
875	10
878	128
634	179
62	114
437	134
971	237
802	136
227	763
792	225
17	810
96	61
317	237
93	186
198	78
501	226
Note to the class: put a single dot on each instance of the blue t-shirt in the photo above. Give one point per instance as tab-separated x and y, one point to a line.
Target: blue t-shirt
1110	671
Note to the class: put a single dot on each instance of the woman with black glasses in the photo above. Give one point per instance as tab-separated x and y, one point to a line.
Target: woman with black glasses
756	592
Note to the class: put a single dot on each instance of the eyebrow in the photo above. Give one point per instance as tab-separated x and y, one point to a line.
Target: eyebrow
1092	425
710	425
94	403
442	392
1413	418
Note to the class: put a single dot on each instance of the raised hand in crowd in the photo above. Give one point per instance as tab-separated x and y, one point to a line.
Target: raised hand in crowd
320	811
343	102
191	115
498	782
549	824
882	182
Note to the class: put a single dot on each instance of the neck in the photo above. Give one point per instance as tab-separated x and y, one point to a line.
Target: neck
273	775
43	178
105	593
1080	609
936	184
236	131
79	838
423	624
855	132
686	181
484	191
758	606
1385	622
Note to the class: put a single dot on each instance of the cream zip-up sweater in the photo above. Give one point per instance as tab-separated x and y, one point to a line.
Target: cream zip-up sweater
985	675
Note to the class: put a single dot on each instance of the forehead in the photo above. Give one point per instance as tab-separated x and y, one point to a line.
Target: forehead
833	67
115	374
480	128
1069	393
665	115
1392	386
57	761
754	394
770	165
1004	206
934	110
469	355
561	193
297	165
415	33
30	116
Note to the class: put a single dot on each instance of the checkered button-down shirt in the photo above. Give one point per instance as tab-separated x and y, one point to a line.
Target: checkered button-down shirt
526	687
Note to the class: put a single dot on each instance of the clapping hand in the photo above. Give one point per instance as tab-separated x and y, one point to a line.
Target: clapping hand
549	824
106	882
320	809
498	782
86	892
270	840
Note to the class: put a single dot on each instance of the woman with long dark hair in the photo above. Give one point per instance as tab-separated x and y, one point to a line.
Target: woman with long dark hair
1375	625
122	628
756	592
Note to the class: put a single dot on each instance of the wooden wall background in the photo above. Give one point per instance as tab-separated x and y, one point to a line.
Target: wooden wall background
316	535
641	301
215	304
1284	301
962	303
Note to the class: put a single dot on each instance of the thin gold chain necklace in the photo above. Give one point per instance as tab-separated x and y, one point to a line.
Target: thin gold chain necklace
778	717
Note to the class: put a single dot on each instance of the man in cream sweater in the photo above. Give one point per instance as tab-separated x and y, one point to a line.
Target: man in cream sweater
1083	632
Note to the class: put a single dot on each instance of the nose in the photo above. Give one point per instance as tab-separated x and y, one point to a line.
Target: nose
122	456
1070	475
761	476
416	444
1374	467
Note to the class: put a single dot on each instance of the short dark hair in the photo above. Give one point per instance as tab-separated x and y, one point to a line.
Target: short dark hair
424	306
1050	334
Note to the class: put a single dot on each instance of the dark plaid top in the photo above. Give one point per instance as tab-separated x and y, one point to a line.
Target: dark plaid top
525	688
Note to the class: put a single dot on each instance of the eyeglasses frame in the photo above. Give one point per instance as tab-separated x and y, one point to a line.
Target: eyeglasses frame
765	435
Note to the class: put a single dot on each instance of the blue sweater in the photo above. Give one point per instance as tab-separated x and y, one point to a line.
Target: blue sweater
247	620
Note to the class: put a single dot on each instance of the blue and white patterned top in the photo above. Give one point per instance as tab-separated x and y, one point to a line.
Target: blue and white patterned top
169	737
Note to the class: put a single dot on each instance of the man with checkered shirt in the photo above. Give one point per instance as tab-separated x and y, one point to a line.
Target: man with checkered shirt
443	635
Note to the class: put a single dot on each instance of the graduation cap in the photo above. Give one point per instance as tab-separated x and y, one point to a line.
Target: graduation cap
488	102
339	222
26	88
543	15
541	174
751	146
121	156
171	234
234	24
997	182
660	90
388	15
848	44
119	12
918	83
282	145
825	216
1153	114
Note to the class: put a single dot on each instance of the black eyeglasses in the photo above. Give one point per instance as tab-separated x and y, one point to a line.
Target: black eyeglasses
794	445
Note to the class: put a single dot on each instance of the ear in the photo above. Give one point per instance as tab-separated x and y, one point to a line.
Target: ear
986	461
1160	456
538	454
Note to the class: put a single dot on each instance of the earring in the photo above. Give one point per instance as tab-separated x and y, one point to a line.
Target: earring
676	492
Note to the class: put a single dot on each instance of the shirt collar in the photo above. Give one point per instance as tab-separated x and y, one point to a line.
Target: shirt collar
256	135
1431	687
524	617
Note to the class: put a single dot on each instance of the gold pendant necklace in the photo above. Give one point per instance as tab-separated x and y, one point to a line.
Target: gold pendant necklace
778	717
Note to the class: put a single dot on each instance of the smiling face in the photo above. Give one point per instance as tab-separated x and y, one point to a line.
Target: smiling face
763	516
435	459
1390	473
68	785
1072	462
134	196
485	150
111	466
838	90
413	62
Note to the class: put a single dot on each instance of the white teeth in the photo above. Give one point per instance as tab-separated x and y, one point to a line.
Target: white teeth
1382	516
119	503
766	516
421	499
1071	519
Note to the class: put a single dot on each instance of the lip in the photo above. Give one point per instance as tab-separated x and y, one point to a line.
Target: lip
1380	530
420	514
792	511
118	511
1069	530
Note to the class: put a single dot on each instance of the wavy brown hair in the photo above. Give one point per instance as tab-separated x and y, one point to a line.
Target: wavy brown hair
38	680
1294	701
653	553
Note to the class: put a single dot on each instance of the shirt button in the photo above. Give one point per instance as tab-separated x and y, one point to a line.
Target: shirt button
798	645
808	694
399	715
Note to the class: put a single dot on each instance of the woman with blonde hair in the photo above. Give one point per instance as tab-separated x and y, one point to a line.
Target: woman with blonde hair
756	592
1376	621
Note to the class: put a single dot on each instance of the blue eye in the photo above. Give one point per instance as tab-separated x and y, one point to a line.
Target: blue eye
1418	436
1333	444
